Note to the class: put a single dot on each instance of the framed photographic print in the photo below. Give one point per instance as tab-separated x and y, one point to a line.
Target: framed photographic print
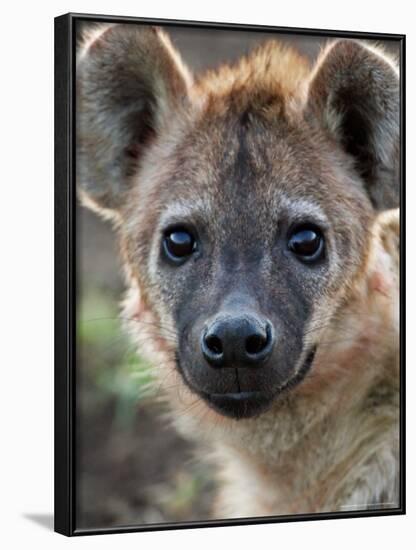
229	275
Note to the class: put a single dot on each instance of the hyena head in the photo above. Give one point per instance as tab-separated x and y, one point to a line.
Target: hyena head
243	198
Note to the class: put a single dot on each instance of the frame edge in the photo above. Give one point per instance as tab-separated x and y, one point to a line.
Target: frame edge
63	383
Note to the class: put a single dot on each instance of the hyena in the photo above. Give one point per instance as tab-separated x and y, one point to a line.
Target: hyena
256	207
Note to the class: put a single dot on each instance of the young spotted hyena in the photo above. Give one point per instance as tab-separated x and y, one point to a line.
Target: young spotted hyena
256	210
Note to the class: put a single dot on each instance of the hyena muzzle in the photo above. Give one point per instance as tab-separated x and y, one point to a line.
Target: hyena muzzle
246	201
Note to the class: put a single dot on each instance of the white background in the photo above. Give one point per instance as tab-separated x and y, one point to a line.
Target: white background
26	302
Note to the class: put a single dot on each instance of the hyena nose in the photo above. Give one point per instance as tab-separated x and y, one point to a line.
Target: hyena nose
244	341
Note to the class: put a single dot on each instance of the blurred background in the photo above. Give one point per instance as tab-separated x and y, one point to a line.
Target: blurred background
132	467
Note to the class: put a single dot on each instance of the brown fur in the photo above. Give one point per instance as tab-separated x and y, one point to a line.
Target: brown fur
248	147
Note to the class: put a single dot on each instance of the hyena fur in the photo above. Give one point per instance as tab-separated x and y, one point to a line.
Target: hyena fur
285	364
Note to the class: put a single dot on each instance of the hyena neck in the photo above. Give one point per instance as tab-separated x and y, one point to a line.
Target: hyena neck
332	467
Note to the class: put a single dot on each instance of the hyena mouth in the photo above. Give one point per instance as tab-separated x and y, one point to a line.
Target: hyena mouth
248	404
239	405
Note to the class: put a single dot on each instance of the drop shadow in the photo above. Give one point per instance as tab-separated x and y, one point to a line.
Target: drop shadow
44	520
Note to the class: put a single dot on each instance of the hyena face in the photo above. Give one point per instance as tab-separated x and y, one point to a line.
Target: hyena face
243	200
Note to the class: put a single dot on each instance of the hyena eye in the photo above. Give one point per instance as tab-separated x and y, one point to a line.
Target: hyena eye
178	244
307	243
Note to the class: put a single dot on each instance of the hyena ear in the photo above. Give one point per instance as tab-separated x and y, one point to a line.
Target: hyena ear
129	82
355	93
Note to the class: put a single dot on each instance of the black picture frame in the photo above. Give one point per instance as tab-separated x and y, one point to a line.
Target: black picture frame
65	269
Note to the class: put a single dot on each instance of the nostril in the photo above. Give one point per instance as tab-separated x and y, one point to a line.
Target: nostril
255	344
237	341
214	344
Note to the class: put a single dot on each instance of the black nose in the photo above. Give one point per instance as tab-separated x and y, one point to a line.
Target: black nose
242	341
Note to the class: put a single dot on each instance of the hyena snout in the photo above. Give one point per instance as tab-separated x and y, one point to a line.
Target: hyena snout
238	341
